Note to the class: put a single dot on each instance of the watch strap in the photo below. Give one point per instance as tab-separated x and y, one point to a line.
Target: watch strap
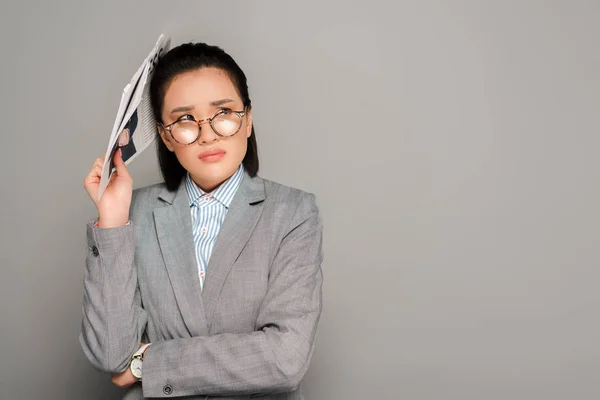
141	350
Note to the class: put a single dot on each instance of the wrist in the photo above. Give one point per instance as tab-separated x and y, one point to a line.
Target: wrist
137	359
106	223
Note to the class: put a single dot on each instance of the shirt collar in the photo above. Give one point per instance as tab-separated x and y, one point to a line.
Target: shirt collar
223	194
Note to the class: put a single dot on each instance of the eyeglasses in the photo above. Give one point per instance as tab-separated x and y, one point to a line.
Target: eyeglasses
186	130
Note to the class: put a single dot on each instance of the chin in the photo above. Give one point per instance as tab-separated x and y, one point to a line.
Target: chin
213	175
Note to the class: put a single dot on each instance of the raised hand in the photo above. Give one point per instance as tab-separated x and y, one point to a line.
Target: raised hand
113	207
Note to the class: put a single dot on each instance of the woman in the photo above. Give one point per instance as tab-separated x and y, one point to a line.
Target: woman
208	284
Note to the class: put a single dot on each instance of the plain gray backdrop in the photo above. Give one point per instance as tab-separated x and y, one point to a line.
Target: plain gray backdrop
452	145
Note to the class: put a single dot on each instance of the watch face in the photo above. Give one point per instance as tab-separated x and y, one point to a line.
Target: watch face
136	368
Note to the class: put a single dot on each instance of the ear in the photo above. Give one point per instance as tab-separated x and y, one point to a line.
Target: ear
249	124
166	138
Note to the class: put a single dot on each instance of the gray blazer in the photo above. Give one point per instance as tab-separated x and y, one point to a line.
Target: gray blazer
248	334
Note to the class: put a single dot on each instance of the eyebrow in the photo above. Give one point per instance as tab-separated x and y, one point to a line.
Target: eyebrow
182	109
220	102
215	103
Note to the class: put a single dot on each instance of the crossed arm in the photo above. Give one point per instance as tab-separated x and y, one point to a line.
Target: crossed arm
272	359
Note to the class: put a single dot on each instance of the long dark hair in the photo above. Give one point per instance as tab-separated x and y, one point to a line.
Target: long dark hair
185	58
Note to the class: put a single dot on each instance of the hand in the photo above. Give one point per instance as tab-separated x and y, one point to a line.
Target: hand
124	379
113	207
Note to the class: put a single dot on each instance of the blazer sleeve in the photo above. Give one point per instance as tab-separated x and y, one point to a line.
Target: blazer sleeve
113	319
272	359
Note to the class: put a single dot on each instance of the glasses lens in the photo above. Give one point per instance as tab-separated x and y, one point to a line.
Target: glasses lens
185	132
227	123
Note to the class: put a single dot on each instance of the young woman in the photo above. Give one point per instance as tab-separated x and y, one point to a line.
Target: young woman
208	284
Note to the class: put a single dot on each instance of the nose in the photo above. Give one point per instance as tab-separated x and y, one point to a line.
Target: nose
206	133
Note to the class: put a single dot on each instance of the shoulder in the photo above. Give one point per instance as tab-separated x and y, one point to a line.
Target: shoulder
150	191
147	197
289	200
281	193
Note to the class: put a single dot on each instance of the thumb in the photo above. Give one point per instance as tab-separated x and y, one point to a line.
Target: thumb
120	164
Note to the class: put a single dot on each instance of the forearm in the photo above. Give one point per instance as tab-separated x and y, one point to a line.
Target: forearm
266	361
113	320
272	359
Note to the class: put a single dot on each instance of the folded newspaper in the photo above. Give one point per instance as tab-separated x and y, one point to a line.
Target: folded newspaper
135	127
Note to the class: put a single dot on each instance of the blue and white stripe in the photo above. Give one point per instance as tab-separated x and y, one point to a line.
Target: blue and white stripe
208	213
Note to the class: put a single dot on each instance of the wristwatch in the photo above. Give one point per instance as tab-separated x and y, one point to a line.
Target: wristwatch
136	361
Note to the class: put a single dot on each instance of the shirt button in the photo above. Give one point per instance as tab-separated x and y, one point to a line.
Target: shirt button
95	251
204	230
167	389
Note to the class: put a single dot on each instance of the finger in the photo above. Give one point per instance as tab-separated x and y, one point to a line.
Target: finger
120	164
101	158
93	178
97	161
95	172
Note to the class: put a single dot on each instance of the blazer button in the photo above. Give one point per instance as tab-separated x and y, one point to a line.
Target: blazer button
167	389
95	251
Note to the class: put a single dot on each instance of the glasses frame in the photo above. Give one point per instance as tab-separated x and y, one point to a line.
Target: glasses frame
240	114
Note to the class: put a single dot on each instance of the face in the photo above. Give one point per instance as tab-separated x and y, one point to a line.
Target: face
202	93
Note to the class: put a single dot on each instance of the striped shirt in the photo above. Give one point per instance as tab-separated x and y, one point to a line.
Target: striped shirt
208	212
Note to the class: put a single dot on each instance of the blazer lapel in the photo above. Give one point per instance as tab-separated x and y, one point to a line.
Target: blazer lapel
240	220
174	229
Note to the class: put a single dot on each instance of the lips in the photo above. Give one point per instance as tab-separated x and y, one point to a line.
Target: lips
211	155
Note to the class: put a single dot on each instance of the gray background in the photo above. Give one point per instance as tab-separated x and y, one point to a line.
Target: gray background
453	147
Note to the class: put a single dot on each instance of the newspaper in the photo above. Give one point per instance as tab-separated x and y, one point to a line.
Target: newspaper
135	127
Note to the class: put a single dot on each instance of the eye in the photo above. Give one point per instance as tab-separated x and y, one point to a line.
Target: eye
224	111
186	117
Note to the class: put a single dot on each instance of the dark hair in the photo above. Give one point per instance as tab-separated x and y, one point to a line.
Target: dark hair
185	58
